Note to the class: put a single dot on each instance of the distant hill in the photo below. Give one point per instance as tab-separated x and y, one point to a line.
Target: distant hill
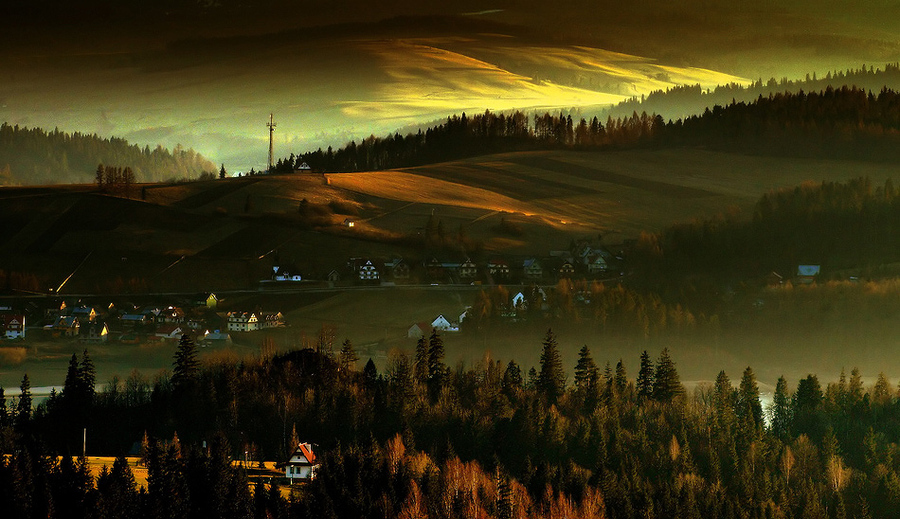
847	122
31	156
682	101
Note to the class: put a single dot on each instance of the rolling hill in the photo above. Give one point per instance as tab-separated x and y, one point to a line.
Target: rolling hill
225	234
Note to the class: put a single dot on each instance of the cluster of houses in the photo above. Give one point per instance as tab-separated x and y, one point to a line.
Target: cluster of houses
583	259
439	323
200	318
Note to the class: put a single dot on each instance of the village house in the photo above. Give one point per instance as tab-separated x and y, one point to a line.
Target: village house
397	268
441	324
301	466
532	269
134	320
169	332
498	269
468	270
13	326
368	272
597	264
216	338
242	321
286	273
417	330
66	326
170	315
85	314
270	319
566	270
807	274
94	332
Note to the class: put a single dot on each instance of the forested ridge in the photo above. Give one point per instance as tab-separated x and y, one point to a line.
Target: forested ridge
35	156
683	100
845	122
422	439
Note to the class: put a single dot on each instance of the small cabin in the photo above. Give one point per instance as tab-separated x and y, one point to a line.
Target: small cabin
302	464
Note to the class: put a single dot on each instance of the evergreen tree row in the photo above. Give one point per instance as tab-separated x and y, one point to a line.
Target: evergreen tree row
35	156
420	439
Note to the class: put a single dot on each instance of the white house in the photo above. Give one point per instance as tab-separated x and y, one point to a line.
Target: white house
368	272
169	332
14	326
441	324
242	322
302	464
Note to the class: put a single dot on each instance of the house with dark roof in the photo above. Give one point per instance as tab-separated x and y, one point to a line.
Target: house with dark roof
13	326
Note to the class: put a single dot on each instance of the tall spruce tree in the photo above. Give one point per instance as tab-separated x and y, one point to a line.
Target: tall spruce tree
551	381
24	404
587	375
437	371
348	357
666	384
749	409
645	376
186	366
420	361
781	410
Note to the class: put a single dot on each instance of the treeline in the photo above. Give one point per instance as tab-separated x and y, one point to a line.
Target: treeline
35	156
422	439
838	225
847	122
612	310
468	136
682	101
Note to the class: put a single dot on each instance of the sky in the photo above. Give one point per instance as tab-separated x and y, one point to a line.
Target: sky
208	78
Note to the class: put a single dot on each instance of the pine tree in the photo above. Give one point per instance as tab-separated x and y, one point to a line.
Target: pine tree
23	406
222	173
621	377
87	375
587	375
186	366
781	410
348	357
645	377
666	384
99	176
437	371
4	415
551	381
420	361
749	409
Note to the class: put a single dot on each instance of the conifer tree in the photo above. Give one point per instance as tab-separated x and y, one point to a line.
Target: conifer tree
666	384
87	375
23	406
348	357
437	371
621	377
587	374
749	409
645	377
551	381
420	361
186	366
781	410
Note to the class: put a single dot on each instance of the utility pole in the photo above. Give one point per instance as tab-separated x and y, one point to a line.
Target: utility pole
271	125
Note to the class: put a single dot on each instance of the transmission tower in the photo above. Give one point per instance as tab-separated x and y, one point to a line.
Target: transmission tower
271	125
